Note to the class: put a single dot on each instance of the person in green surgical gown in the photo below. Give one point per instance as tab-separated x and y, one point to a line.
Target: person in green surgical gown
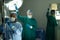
51	24
29	26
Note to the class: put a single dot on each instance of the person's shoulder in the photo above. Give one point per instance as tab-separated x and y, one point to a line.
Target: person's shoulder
33	19
18	23
50	17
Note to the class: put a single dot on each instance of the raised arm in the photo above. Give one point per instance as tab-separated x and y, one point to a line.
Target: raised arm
47	14
19	17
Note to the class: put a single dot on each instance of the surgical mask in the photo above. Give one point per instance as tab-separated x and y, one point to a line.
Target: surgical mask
12	19
29	16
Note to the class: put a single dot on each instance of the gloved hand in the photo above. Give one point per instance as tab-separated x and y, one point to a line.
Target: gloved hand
31	27
13	27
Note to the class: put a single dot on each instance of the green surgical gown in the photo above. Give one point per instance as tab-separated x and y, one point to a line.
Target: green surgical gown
50	30
28	33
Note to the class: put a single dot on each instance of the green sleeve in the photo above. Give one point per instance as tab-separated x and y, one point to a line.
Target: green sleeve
21	18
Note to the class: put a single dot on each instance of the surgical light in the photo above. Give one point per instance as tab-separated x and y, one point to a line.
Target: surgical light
10	5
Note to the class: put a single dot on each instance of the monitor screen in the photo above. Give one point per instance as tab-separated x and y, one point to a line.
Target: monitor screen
57	15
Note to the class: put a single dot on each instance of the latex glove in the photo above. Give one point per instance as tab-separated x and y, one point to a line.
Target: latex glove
13	27
31	27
